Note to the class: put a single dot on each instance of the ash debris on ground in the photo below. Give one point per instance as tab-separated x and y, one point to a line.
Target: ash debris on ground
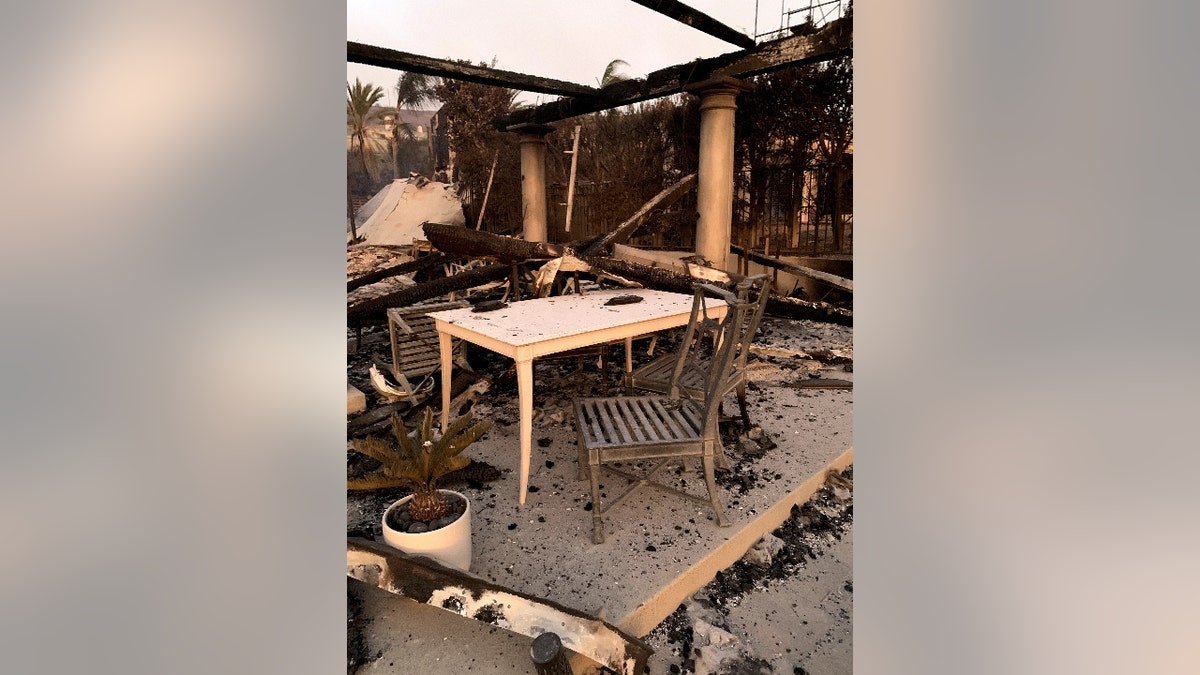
698	638
356	623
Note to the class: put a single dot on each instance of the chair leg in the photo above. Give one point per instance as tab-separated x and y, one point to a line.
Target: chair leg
719	453
583	457
711	482
597	523
741	397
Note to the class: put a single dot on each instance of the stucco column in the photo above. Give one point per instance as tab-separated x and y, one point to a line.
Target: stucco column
714	182
533	179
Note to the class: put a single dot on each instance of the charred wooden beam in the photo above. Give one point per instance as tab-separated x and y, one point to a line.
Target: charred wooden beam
794	308
666	280
458	240
424	262
832	41
820	383
467	595
461	241
799	270
653	277
373	310
698	20
357	52
626	229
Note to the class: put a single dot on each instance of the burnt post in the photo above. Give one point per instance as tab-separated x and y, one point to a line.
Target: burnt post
549	656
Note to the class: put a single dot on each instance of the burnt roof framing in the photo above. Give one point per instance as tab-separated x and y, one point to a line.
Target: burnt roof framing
832	41
699	20
357	52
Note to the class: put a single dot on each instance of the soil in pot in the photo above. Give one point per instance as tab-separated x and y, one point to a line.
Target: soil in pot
400	520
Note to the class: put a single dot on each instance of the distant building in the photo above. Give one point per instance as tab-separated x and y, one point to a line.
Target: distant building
417	120
439	147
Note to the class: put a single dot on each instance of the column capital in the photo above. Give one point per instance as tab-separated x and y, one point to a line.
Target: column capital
530	131
719	85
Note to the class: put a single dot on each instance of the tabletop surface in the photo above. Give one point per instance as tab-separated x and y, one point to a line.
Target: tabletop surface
532	321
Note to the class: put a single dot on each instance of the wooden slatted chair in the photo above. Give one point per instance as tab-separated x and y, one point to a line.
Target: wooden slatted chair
678	425
657	375
416	354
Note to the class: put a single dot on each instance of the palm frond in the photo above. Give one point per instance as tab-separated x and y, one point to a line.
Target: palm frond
459	442
375	448
448	464
401	434
375	481
611	74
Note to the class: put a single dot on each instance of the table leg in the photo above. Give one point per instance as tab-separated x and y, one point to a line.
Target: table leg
447	376
525	396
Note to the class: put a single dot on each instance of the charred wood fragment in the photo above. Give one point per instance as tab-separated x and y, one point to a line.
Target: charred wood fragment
373	310
412	266
378	419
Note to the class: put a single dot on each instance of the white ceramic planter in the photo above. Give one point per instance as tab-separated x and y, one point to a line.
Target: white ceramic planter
450	545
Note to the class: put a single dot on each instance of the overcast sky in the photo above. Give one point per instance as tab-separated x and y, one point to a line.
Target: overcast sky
570	40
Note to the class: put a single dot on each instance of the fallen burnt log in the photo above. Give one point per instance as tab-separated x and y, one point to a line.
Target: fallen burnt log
458	240
665	280
373	310
798	270
412	266
794	308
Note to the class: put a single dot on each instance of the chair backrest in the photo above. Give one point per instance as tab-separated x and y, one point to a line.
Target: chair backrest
415	347
727	333
754	320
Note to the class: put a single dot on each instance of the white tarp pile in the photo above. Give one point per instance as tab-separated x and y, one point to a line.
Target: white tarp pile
393	217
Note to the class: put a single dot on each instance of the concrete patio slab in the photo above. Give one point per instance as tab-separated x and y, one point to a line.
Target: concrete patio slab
659	548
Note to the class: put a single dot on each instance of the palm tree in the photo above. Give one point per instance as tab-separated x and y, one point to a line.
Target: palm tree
360	113
412	91
610	73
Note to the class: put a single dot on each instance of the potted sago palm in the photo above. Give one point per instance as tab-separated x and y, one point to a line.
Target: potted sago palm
431	521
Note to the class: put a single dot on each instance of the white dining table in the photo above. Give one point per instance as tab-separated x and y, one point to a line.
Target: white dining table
528	329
